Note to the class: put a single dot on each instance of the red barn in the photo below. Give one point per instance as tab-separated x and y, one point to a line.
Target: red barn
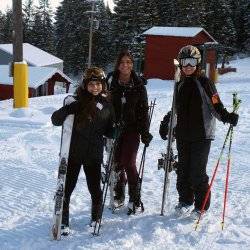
42	81
164	43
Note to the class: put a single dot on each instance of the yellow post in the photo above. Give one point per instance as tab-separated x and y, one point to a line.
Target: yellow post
20	82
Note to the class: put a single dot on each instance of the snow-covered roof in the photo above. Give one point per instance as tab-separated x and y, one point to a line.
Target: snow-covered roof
176	31
37	75
33	55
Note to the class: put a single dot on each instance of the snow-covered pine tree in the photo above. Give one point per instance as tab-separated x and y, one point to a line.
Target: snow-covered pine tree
131	19
241	15
124	25
219	23
102	37
7	27
28	20
2	19
247	28
168	12
43	29
72	34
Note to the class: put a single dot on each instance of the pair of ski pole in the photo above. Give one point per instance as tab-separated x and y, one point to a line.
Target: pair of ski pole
229	135
110	166
97	225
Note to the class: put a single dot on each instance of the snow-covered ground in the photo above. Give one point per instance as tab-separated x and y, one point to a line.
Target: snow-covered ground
29	147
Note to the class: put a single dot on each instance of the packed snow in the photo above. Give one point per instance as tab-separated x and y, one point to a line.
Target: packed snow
29	146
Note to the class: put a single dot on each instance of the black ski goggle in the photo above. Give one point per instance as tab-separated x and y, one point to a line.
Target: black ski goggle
188	62
95	78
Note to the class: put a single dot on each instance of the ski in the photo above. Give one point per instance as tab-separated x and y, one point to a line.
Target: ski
62	171
167	157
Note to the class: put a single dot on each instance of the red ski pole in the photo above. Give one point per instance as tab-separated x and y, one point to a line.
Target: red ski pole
212	180
227	178
236	104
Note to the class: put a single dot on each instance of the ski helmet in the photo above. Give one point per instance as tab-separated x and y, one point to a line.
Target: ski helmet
94	74
189	51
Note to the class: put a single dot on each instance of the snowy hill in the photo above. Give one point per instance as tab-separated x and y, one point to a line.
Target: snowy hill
29	147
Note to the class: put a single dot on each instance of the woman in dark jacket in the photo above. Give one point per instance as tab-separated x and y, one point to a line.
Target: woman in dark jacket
129	98
197	106
94	117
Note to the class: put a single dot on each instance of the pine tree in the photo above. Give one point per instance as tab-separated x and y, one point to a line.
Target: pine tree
219	22
28	20
72	34
246	42
43	30
6	32
168	12
131	19
2	19
102	36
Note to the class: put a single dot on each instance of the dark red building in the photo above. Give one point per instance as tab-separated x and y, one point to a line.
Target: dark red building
164	43
42	81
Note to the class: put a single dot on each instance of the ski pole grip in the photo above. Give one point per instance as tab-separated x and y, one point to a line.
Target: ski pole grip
236	102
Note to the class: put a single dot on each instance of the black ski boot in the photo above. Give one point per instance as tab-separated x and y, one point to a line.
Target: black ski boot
135	202
65	222
119	197
96	210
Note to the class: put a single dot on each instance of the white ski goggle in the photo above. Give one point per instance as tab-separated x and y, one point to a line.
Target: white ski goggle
188	61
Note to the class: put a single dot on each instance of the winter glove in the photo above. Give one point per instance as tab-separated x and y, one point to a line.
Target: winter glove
232	118
163	131
73	107
146	138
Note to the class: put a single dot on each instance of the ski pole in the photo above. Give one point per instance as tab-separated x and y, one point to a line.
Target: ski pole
142	163
236	106
105	187
227	178
151	110
236	103
212	180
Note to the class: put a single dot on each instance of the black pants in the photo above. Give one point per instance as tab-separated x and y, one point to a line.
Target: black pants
192	179
93	177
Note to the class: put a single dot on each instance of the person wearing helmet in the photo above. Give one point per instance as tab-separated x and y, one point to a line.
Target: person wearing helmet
130	101
94	118
197	105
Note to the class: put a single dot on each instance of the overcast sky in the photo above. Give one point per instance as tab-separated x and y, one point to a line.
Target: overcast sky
8	3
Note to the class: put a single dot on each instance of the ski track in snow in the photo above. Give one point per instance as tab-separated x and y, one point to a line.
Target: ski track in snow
29	147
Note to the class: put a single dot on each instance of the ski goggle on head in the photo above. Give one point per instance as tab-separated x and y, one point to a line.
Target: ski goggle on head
188	62
94	74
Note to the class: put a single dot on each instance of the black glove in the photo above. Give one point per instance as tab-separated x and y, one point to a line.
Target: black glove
146	138
163	131
232	118
73	107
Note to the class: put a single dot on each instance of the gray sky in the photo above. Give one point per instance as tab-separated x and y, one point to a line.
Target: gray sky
8	3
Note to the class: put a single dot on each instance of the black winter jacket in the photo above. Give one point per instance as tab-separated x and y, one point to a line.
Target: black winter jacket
130	103
197	104
87	139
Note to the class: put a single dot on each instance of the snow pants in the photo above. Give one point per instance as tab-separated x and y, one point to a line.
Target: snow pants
192	179
93	178
125	158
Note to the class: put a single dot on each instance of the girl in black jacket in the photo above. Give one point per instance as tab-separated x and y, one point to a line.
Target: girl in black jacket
129	98
94	118
197	106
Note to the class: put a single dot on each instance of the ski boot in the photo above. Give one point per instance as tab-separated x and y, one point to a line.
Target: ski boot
135	204
65	223
182	209
96	210
196	213
119	197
